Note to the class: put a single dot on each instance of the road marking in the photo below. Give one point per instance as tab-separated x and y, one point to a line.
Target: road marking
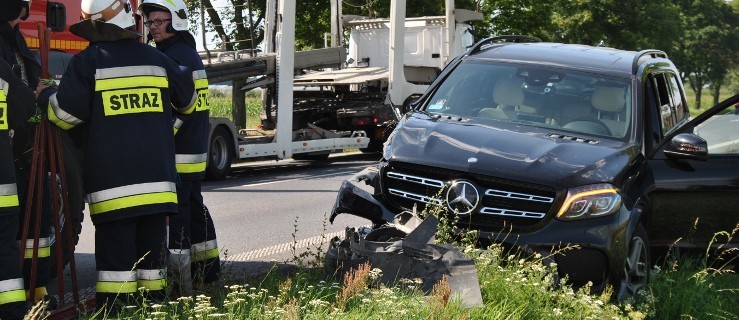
295	179
253	255
321	240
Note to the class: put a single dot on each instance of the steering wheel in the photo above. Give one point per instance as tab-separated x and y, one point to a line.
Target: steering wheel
585	124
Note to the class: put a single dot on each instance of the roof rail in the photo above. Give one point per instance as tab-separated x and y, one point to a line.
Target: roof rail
501	39
644	55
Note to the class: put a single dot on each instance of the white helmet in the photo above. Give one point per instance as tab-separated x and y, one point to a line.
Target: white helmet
117	12
105	20
177	8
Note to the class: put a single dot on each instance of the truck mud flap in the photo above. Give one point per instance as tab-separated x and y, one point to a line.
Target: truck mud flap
405	249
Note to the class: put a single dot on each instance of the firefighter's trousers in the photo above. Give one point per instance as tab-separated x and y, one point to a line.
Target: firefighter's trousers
12	292
192	233
130	257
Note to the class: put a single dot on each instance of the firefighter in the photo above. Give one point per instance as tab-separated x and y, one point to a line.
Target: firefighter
192	235
16	99
15	52
120	91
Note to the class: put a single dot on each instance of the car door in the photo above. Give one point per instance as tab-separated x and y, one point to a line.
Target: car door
694	199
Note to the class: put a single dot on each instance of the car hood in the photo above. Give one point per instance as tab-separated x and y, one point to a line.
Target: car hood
514	152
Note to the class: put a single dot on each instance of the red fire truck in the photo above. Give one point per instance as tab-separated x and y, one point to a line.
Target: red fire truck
57	15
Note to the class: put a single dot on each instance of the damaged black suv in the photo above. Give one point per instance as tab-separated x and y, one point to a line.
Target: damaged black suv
546	145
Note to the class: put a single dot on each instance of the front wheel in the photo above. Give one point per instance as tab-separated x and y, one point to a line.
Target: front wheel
636	266
219	155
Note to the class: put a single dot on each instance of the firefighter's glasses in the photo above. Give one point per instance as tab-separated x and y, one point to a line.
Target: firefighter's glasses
156	22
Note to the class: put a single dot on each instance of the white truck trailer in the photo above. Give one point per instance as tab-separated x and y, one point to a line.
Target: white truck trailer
347	103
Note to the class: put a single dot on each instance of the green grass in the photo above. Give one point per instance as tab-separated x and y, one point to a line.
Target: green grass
706	99
513	286
220	106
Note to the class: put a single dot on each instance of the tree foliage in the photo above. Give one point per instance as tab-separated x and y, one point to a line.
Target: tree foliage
528	17
231	22
706	51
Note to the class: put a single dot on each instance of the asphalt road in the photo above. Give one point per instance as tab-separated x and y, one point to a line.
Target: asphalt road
262	211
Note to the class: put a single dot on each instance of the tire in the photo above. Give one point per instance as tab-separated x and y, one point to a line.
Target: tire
374	146
312	156
219	155
636	266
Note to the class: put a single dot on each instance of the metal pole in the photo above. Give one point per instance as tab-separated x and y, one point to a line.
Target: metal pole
451	25
251	29
202	30
286	62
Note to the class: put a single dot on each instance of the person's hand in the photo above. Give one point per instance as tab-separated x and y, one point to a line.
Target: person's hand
43	84
40	88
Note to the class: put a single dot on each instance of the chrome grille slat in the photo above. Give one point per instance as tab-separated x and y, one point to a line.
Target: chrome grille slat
516	195
512	213
416	179
417	197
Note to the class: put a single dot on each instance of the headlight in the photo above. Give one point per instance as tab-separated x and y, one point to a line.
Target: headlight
590	202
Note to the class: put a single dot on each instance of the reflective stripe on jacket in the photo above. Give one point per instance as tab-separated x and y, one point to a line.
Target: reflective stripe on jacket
121	95
16	105
11	290
191	138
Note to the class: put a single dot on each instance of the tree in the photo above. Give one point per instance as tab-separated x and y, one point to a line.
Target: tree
526	17
623	24
245	32
706	51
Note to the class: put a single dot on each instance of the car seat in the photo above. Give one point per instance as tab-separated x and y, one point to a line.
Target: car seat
609	102
508	96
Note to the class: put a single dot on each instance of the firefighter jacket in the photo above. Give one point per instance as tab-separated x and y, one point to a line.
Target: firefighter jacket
16	100
25	65
191	131
12	48
121	93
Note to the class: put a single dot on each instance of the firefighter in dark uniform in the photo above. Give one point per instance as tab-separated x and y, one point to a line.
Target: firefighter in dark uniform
16	105
121	91
193	248
25	65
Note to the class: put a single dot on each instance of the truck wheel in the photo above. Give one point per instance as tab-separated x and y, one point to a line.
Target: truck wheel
636	266
373	147
312	156
219	155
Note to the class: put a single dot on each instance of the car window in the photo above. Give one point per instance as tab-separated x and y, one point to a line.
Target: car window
654	124
721	132
537	96
665	103
679	106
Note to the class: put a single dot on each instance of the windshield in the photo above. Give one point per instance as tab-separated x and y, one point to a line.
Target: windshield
536	95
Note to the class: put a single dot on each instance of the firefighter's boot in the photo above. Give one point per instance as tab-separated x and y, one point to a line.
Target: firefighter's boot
179	272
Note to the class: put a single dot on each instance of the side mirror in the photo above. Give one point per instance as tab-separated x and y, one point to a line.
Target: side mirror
410	103
687	146
56	16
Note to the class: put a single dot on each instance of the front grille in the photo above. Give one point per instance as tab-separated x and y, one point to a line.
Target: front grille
502	202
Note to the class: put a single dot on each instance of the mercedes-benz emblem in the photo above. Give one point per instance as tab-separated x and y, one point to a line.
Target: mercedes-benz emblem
462	197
